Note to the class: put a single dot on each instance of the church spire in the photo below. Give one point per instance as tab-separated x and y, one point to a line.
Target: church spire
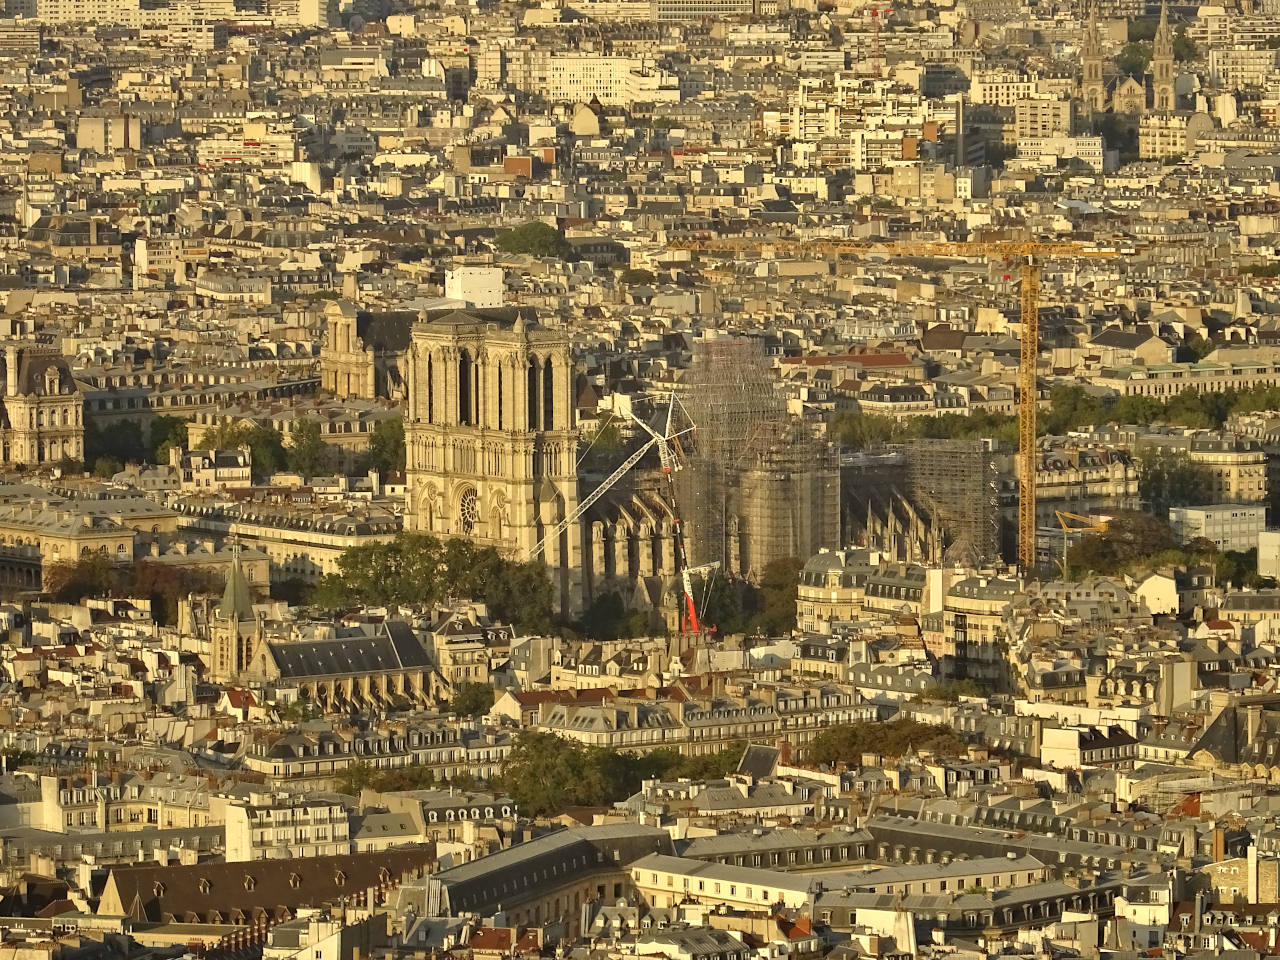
1163	43
237	598
1162	72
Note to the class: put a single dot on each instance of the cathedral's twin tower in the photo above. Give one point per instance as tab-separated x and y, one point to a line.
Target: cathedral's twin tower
491	443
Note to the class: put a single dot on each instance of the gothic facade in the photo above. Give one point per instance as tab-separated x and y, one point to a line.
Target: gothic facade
1128	95
364	352
491	439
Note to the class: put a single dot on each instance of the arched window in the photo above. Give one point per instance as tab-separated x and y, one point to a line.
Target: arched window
431	389
533	393
464	388
499	396
548	396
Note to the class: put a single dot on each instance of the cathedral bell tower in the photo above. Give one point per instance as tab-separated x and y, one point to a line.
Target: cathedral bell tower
490	438
1162	64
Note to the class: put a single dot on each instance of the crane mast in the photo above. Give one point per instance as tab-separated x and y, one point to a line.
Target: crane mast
1030	254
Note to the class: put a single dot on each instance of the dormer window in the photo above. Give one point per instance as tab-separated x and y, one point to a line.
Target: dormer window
204	885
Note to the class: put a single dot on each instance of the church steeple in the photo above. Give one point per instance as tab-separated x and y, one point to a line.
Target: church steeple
1092	84
237	598
1162	63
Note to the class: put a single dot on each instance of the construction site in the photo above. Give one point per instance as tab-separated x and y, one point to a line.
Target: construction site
927	501
757	485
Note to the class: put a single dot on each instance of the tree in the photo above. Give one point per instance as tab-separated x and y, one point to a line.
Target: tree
386	447
308	454
1199	348
120	442
722	604
1134	58
847	742
418	568
1238	568
1184	48
104	468
951	690
265	445
354	778
1167	479
605	440
545	774
473	700
609	618
635	277
70	581
1142	29
535	239
779	583
166	586
166	433
1130	538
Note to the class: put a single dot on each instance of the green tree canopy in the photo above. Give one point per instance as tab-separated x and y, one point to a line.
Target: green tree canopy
634	276
1134	58
166	433
104	468
265	445
97	575
473	700
779	583
307	454
536	239
546	774
417	568
1130	538
386	447
847	742
609	618
120	442
1184	48
1168	479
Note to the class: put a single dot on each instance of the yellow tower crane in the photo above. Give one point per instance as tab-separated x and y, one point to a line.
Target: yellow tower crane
1028	253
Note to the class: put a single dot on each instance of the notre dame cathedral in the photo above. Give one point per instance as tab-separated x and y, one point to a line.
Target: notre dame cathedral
491	443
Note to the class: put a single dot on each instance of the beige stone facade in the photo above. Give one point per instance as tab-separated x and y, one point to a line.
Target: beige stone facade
491	440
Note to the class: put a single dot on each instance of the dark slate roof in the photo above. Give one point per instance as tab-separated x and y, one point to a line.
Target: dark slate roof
1115	337
502	316
394	648
387	330
242	892
758	761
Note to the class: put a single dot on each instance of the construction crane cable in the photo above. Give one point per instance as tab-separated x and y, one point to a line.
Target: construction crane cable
599	430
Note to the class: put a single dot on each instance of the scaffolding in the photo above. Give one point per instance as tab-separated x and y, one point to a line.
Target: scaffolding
957	482
758	486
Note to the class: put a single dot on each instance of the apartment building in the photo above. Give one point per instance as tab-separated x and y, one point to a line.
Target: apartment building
1231	526
1036	118
279	826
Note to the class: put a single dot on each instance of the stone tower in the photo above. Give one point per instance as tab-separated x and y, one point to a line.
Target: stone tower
1162	64
1093	87
491	444
234	629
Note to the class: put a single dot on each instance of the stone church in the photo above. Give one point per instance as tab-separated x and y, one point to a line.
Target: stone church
364	351
491	439
1128	95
